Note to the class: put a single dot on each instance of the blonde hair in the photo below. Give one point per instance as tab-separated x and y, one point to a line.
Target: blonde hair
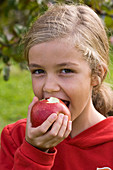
81	26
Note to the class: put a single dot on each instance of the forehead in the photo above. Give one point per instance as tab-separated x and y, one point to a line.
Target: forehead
55	54
56	48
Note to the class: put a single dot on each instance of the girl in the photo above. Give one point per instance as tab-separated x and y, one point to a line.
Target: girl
67	52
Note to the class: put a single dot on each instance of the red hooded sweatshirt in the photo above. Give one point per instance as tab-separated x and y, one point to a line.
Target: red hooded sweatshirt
90	150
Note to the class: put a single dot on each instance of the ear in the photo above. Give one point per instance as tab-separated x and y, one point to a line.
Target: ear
103	71
100	76
95	80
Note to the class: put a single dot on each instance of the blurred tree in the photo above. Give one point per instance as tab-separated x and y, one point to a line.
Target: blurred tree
17	15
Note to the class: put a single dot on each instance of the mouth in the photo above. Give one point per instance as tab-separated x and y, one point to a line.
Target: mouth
65	102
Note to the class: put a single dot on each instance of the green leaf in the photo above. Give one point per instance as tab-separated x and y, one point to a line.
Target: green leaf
19	29
3	38
108	21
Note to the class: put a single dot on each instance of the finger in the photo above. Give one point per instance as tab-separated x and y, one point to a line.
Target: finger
56	137
42	129
29	125
52	138
57	134
47	124
35	99
56	126
63	127
69	128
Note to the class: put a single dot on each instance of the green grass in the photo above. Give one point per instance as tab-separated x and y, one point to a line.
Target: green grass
15	96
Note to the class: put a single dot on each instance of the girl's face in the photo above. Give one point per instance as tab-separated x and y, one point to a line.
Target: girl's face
59	70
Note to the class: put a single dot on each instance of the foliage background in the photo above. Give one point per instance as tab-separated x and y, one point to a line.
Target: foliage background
16	16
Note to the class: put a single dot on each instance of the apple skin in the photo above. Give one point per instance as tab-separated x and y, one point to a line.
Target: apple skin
44	108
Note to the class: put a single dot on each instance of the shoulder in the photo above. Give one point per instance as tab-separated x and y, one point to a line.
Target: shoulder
109	121
15	131
19	124
16	127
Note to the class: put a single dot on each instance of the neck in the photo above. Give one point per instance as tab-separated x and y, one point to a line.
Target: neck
85	120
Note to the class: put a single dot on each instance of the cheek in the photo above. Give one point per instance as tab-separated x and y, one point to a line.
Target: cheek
36	88
80	93
80	101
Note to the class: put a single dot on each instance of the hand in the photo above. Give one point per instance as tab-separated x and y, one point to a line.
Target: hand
42	137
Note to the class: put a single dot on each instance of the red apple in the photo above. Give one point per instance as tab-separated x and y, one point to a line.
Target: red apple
44	108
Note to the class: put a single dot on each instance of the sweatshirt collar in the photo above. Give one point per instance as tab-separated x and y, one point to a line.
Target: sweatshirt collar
97	134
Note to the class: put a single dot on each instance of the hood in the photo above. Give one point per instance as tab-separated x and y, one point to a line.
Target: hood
98	134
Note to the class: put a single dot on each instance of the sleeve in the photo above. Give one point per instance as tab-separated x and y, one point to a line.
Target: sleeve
25	156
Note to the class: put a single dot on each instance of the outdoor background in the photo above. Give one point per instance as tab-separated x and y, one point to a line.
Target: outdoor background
16	16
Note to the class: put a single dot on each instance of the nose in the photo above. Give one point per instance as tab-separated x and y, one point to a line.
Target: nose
51	84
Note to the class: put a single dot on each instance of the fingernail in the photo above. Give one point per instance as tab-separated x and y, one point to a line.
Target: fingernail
54	115
66	117
70	125
61	116
34	98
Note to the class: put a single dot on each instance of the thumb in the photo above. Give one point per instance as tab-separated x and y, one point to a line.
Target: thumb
35	99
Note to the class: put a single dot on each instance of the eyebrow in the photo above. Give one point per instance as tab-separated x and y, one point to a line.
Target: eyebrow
67	64
33	65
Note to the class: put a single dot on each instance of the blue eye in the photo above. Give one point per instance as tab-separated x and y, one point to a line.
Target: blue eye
66	71
38	71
